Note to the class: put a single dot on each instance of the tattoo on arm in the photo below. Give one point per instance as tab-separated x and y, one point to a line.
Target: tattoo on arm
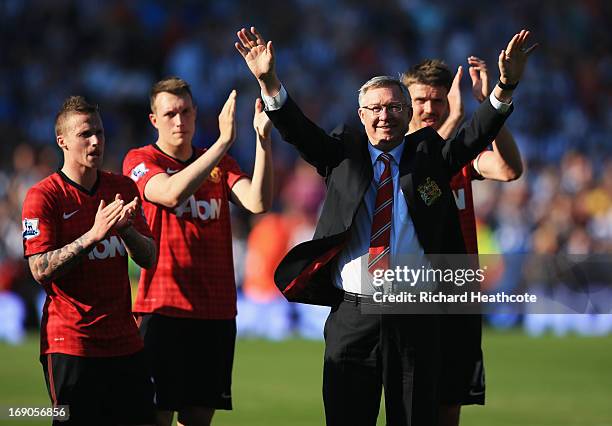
50	265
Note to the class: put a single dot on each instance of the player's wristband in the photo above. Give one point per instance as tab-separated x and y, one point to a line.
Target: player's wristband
505	86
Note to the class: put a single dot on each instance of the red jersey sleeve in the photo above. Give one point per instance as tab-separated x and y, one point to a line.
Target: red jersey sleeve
140	167
38	222
232	170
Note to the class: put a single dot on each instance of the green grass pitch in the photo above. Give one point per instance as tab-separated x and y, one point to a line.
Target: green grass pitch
544	381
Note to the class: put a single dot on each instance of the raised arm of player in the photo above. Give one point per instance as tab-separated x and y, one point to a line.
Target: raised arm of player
49	265
455	108
504	161
259	57
139	247
171	190
256	195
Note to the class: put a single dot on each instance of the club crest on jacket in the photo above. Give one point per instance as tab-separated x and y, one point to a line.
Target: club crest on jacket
429	191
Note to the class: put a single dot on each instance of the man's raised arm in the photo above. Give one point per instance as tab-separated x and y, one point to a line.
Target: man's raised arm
503	163
314	144
472	136
259	57
172	190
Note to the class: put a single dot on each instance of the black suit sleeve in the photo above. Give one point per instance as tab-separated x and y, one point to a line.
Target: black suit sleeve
474	136
314	145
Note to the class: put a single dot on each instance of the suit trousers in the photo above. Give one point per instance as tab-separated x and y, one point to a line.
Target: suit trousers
365	353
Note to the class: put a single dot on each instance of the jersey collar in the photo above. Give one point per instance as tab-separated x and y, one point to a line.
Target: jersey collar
69	181
189	161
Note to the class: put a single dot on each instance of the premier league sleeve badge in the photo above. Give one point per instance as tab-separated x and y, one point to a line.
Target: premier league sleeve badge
30	228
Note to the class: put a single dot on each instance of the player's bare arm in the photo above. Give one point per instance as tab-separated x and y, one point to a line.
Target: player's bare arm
172	191
503	163
52	264
256	195
259	57
139	247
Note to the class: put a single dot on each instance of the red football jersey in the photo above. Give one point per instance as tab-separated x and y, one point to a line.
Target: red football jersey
461	184
88	309
194	277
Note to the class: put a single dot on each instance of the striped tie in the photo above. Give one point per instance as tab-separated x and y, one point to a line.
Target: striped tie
378	254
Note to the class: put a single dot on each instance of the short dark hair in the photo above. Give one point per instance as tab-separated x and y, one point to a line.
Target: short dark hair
176	86
73	104
432	72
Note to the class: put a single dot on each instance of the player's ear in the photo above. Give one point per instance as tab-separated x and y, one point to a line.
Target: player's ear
153	119
61	142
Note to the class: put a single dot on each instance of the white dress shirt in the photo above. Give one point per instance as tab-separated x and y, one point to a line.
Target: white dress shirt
351	272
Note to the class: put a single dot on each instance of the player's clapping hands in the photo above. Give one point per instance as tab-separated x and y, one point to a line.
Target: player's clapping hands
107	216
127	214
455	103
227	120
261	122
115	215
480	78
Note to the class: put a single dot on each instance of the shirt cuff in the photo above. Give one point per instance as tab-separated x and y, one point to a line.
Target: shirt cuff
498	105
475	164
272	103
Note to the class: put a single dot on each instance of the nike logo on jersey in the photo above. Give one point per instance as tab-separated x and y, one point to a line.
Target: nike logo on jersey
171	171
69	215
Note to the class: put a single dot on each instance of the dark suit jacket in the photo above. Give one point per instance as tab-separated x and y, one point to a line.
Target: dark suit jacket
427	165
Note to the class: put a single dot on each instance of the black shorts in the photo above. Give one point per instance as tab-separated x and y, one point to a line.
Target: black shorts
100	390
463	380
191	361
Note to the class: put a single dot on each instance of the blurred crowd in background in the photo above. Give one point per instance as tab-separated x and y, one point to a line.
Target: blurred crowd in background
113	51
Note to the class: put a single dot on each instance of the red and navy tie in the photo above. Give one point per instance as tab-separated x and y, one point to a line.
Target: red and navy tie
380	238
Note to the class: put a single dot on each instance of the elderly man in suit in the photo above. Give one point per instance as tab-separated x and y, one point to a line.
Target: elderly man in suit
387	195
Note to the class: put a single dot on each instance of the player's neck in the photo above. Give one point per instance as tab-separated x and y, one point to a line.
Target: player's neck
181	152
84	176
